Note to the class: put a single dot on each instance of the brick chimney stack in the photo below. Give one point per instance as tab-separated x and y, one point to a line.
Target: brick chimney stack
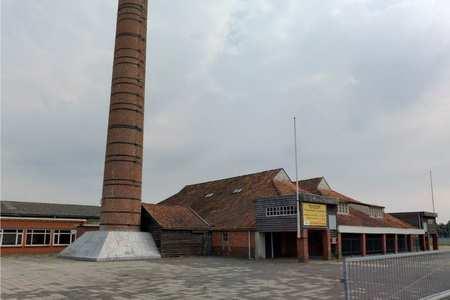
121	198
119	237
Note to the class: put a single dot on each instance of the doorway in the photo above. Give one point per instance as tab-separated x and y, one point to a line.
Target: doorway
281	244
315	243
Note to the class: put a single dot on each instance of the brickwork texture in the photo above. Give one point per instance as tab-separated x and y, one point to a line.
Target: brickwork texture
121	199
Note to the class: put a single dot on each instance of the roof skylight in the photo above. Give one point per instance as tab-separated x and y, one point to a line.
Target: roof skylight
209	195
236	191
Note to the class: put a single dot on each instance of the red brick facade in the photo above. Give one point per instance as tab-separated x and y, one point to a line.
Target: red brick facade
49	224
302	247
233	243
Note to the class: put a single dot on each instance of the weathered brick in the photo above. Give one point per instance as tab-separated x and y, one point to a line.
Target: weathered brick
121	197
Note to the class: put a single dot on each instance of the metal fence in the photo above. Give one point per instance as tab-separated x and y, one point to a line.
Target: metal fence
398	276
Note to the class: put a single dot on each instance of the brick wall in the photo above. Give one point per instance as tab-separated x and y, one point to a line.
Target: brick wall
51	224
40	224
31	250
236	246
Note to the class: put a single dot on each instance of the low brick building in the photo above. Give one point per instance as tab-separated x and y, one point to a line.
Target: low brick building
32	228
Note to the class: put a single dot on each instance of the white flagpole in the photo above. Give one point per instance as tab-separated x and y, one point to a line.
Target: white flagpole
296	180
432	190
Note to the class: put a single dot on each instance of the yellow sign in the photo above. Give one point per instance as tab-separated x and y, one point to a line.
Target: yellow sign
314	214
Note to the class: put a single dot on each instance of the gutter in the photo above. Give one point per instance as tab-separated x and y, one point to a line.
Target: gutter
43	219
378	230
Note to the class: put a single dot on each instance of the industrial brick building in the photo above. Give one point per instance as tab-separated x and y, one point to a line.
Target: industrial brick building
32	228
251	216
255	216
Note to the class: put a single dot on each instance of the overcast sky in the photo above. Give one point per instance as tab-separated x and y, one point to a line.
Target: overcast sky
367	80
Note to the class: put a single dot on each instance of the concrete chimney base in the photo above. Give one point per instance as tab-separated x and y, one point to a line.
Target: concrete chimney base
112	246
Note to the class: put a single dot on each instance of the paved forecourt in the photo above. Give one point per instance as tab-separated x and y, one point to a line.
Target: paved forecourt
49	277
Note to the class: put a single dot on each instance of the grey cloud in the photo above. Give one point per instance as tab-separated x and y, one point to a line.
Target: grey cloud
367	81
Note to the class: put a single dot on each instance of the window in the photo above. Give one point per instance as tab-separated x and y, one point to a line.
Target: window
402	243
11	237
209	195
281	211
38	237
374	244
225	236
64	237
237	191
376	212
343	209
351	244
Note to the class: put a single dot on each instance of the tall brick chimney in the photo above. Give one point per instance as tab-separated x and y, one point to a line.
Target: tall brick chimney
119	237
121	199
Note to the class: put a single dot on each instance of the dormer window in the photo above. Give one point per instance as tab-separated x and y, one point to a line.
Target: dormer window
376	212
209	195
343	208
237	191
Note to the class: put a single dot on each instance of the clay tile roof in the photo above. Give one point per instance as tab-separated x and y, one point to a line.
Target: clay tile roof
287	188
396	222
224	209
175	217
339	196
358	218
344	198
310	184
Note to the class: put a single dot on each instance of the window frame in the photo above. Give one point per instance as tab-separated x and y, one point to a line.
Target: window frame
225	236
376	212
57	236
343	208
281	211
31	232
18	232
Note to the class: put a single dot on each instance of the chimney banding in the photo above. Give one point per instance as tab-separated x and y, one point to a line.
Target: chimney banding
122	181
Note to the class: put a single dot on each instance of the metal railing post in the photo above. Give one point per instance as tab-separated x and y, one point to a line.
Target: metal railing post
346	283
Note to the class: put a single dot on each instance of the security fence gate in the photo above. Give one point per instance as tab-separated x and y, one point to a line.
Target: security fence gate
398	276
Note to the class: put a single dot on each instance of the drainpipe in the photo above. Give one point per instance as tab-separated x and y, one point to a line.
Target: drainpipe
271	243
249	246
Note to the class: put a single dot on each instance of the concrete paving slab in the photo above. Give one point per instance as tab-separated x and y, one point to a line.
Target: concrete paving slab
50	277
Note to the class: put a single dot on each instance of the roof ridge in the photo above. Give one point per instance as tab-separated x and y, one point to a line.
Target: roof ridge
52	203
356	200
312	178
235	177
